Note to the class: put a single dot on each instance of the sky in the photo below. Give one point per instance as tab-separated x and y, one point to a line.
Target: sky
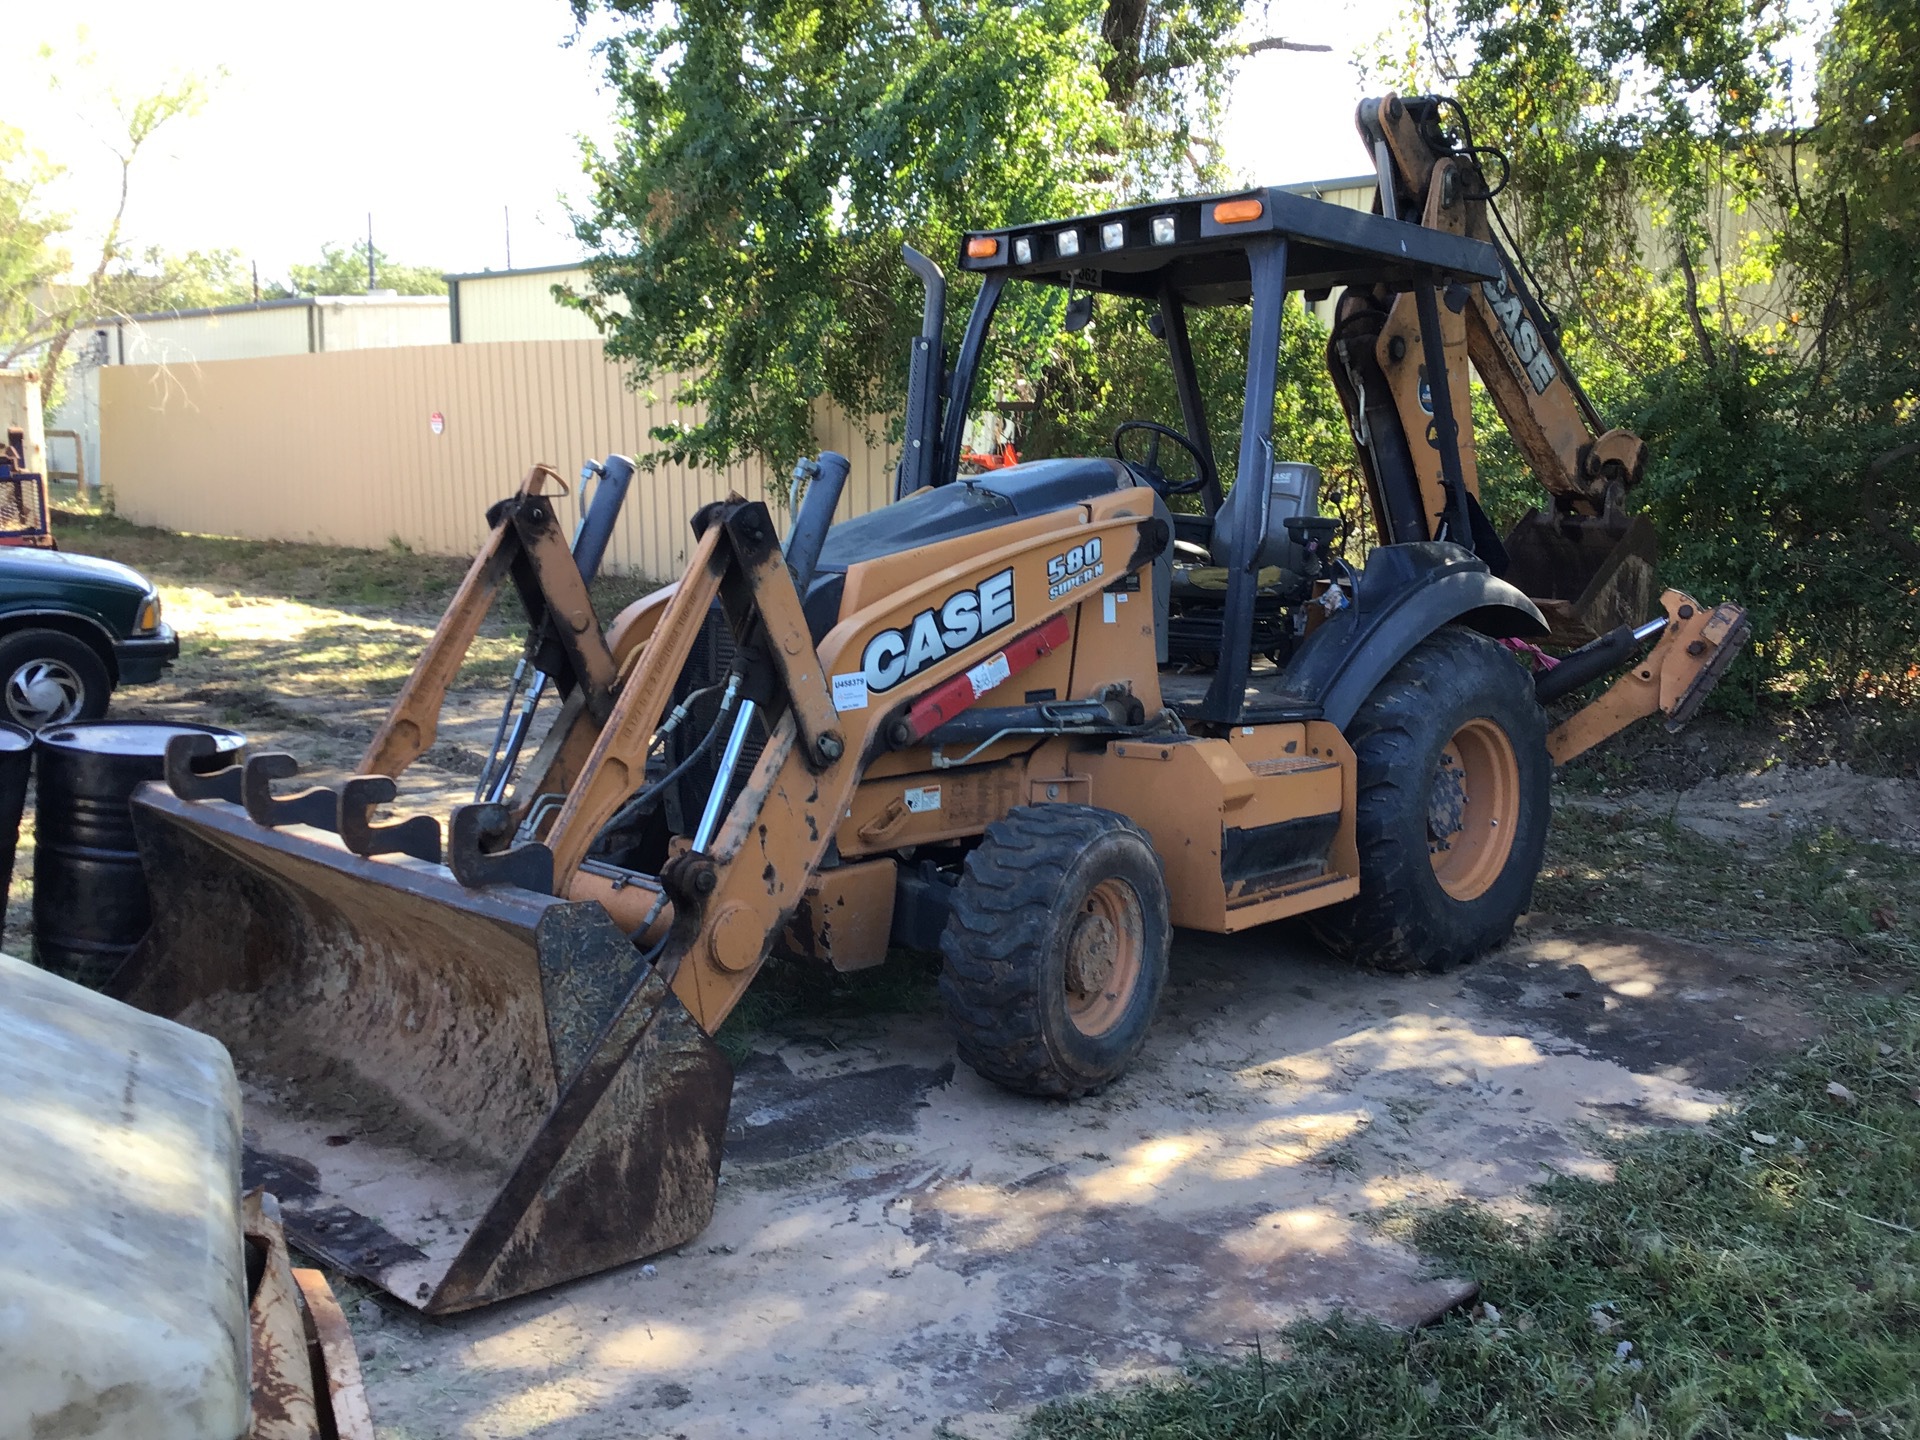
456	125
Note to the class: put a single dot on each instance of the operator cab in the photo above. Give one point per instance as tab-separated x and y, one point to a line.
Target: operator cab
1247	559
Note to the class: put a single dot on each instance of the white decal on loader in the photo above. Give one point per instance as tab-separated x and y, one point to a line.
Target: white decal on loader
1534	356
959	620
1074	568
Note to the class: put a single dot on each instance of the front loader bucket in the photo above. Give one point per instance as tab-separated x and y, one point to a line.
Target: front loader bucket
1588	574
447	1088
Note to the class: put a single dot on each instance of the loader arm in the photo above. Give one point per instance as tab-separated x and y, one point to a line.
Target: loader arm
729	902
525	544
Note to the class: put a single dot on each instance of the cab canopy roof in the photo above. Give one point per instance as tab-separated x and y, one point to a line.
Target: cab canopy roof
1198	246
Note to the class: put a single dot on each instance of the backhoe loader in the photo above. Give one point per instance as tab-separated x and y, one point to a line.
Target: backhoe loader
1032	719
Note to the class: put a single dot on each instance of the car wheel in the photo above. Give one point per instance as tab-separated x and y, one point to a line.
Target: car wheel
48	677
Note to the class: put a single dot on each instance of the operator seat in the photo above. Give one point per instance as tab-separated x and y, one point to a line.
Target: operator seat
1295	491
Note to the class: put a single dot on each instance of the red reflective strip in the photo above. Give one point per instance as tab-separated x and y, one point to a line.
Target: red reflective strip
950	697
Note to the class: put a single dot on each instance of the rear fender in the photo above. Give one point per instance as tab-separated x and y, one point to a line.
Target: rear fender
1405	594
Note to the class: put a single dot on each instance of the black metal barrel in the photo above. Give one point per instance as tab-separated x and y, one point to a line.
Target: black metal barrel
90	904
16	763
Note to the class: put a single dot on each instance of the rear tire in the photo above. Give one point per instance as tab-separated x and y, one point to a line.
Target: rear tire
1056	950
1453	808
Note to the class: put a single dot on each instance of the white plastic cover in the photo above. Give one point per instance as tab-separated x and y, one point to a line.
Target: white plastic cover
123	1305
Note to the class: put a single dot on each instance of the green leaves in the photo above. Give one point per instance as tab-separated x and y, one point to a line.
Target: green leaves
343	271
771	158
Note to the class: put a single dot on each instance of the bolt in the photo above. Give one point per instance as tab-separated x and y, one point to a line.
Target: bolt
705	881
1686	612
1698	647
830	747
1397	348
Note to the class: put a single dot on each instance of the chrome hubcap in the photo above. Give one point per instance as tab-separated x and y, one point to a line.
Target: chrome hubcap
43	692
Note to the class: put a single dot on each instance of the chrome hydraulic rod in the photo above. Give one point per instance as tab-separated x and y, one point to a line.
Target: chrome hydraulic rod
723	780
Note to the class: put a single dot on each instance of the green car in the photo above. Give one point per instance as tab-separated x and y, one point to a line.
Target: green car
72	629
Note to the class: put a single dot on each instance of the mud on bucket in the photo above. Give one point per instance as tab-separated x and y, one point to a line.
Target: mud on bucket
1588	574
458	1094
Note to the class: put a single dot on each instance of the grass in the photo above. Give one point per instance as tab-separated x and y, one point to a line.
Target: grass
1717	1285
1758	1277
1853	904
260	619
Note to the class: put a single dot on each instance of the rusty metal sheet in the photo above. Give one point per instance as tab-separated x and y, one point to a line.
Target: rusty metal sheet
282	1376
336	1359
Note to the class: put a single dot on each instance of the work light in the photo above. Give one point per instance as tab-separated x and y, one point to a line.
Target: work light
1163	231
1113	235
1023	251
1067	242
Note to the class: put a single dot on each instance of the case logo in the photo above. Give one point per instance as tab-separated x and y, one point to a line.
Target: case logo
955	623
1534	356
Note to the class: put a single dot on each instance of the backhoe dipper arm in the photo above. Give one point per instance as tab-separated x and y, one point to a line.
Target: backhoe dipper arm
1513	346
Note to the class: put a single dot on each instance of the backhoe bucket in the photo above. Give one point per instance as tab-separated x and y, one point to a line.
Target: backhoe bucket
459	1095
1588	574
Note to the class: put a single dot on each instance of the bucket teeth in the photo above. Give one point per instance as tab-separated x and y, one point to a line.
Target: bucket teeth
416	835
184	777
316	806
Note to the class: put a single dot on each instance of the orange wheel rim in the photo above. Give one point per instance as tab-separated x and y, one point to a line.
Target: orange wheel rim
1473	809
1106	945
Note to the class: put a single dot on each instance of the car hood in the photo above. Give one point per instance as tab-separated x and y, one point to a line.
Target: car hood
57	567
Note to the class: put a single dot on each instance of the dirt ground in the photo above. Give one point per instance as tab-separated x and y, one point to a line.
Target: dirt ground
900	1246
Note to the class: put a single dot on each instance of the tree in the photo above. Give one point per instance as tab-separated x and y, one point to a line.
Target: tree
1608	111
1784	449
746	222
140	120
343	271
159	280
30	261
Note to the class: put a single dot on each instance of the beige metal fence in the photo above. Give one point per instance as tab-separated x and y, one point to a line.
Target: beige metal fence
367	447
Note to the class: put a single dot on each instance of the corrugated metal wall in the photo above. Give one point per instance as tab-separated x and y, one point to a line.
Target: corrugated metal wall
339	448
353	323
519	305
281	329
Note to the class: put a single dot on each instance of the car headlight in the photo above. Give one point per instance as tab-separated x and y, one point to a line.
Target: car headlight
149	615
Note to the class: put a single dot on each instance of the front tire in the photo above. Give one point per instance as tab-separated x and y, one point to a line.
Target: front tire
48	677
1453	808
1056	950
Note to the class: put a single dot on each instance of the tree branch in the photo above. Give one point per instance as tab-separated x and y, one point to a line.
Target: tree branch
1275	42
1693	306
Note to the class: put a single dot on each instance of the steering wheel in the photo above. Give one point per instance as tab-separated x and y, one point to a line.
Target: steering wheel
1149	468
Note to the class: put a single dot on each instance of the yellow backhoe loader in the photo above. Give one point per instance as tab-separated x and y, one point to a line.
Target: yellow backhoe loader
1032	719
